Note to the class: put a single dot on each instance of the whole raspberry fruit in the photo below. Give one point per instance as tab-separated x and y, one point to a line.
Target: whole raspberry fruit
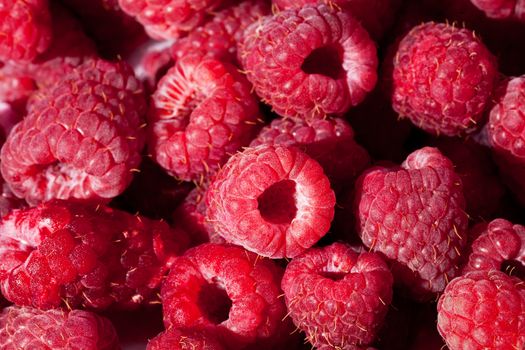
442	78
415	215
309	62
175	339
61	253
81	138
28	328
25	27
329	141
227	291
201	113
503	9
338	296
275	201
483	310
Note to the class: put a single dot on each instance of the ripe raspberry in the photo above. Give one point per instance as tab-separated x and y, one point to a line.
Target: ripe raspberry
329	141
227	291
201	113
514	9
483	310
273	200
81	138
219	37
168	19
175	339
338	296
415	216
442	78
25	27
62	253
309	62
28	328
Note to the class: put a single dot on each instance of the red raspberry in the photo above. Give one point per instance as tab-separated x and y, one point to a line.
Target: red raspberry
338	296
442	78
168	19
502	8
483	310
81	138
25	27
415	215
28	328
273	200
329	141
62	253
175	339
227	291
310	61
219	37
201	113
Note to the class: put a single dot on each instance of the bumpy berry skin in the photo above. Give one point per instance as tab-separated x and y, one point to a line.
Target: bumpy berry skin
329	141
219	37
29	328
61	253
442	78
81	138
506	133
168	19
202	112
483	310
503	9
176	339
285	57
415	216
25	28
344	312
275	201
191	295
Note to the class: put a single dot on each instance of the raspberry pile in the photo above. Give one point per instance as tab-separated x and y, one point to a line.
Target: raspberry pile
262	174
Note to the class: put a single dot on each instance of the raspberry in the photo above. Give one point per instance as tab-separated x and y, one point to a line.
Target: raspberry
174	339
168	19
28	328
442	78
328	141
81	138
201	113
415	216
227	291
502	8
309	62
338	296
61	253
25	28
483	310
273	200
219	37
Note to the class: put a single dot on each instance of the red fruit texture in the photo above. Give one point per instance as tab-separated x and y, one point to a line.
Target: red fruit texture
227	291
506	133
275	201
220	36
329	141
175	339
81	138
338	296
151	61
483	310
309	62
169	19
26	29
29	328
202	112
376	16
442	78
415	215
502	9
62	253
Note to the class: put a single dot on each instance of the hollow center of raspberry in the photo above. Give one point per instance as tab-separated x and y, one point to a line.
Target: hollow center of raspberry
333	275
326	60
215	303
277	202
513	268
